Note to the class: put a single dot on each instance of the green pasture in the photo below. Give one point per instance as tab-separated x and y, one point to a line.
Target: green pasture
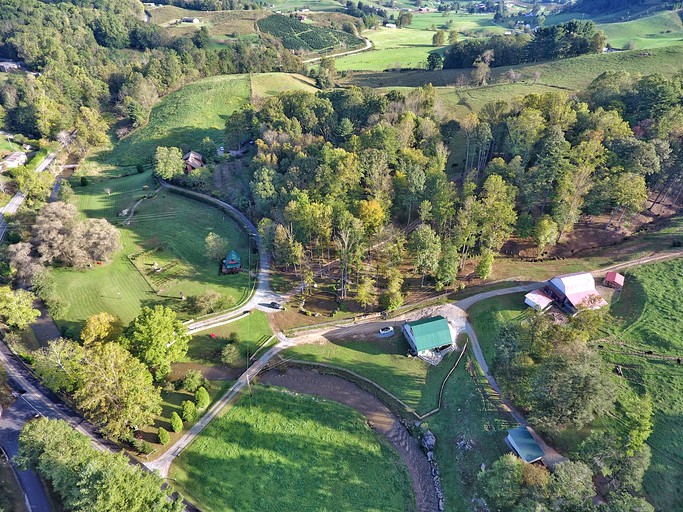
662	29
222	25
409	47
270	84
172	223
384	361
182	119
314	5
628	12
252	332
7	145
275	450
648	317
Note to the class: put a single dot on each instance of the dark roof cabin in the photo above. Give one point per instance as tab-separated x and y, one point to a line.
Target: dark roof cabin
193	160
232	263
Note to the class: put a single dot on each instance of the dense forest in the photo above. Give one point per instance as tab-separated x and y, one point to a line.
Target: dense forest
101	55
334	169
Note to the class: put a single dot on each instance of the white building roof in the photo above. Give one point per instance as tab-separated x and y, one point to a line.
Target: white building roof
579	289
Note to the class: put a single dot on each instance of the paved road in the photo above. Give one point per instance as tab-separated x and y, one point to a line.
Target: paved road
33	400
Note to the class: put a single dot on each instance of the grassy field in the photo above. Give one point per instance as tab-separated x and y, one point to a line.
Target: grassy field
7	146
662	29
119	287
198	110
275	450
385	362
270	84
252	332
409	47
648	318
182	119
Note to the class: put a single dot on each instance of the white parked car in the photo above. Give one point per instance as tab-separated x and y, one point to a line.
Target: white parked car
386	331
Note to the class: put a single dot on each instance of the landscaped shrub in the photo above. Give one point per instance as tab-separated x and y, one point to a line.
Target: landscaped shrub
202	398
176	422
140	168
84	181
164	436
142	446
193	380
189	410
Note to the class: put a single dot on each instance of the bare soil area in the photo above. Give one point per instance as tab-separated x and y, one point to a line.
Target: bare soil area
379	417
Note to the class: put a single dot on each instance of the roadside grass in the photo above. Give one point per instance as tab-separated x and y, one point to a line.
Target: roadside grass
570	75
252	332
276	450
7	145
172	402
385	362
174	223
490	315
11	495
647	317
182	119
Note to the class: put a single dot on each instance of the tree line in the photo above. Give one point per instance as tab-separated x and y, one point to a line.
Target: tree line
103	57
565	40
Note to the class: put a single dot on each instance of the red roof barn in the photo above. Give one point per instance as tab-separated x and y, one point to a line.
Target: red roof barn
614	280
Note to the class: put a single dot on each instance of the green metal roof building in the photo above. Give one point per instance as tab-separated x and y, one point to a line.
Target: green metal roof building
524	444
428	333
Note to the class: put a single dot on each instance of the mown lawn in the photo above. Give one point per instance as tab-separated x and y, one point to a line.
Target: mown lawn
269	84
176	225
278	451
385	362
252	332
648	317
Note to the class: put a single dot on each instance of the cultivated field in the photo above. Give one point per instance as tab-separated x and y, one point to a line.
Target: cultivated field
174	227
275	450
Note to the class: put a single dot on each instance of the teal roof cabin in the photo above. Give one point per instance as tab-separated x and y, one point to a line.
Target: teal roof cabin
521	440
232	263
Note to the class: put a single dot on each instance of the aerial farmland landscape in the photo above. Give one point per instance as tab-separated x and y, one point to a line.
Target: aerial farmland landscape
386	255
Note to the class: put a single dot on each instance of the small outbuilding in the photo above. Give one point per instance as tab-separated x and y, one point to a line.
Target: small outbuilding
14	160
232	264
190	20
524	444
614	280
429	338
193	160
538	300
